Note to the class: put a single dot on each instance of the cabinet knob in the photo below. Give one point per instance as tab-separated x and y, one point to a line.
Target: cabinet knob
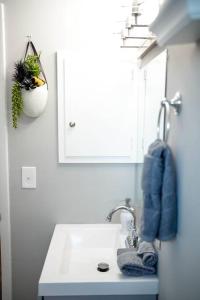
72	124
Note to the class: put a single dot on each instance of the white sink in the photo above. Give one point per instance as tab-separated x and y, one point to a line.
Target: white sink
70	267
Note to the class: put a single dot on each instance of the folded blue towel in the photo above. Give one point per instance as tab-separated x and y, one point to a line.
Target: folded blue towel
148	254
159	218
130	264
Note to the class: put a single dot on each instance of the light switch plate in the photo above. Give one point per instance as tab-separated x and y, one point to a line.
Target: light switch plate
29	177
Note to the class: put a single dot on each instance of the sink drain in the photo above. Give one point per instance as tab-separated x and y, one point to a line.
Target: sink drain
103	267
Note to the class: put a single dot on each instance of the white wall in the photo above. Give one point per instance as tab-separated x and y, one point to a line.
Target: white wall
65	193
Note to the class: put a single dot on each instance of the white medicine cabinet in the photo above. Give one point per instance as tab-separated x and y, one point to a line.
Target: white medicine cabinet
107	107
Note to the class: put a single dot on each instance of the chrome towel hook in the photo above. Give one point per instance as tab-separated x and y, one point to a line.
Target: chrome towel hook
166	120
176	104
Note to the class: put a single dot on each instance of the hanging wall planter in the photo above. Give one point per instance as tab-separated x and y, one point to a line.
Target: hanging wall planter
34	101
30	89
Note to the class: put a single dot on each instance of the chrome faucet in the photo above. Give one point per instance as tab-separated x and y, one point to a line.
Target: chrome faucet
132	237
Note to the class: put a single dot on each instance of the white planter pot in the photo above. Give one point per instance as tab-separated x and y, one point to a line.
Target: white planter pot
35	101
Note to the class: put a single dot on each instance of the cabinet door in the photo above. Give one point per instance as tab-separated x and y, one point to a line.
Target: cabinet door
97	108
155	76
151	90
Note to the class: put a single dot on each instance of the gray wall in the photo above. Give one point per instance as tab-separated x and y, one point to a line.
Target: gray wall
180	260
65	193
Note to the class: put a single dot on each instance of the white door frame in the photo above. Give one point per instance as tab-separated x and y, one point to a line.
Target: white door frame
4	172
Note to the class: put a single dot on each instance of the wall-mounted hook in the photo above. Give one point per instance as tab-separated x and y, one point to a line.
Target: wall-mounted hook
176	103
29	37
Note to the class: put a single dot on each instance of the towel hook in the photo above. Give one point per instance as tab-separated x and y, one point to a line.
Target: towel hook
165	107
176	104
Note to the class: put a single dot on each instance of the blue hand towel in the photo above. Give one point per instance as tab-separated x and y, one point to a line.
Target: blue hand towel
148	254
159	218
130	264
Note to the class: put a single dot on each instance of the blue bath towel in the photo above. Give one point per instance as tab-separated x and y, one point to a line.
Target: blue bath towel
148	254
159	218
130	264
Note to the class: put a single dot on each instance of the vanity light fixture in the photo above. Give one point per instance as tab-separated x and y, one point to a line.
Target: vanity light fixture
141	32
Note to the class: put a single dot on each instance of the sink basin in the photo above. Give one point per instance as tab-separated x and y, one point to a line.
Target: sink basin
71	264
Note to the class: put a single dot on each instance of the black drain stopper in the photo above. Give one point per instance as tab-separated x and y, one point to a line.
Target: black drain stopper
103	267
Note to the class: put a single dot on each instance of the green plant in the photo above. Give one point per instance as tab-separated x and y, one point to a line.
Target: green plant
23	76
31	64
26	76
17	103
